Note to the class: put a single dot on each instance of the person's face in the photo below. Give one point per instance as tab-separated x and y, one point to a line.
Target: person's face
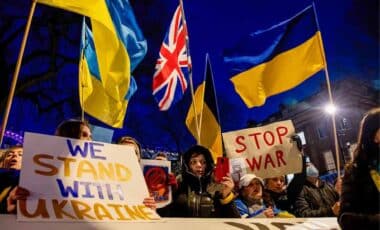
85	133
276	184
377	137
13	159
197	164
253	190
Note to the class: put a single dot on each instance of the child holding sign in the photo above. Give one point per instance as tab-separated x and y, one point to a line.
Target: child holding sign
195	196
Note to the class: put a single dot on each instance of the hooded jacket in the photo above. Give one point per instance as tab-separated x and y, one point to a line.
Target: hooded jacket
197	196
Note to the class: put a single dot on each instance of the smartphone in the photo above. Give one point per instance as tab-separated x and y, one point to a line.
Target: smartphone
222	168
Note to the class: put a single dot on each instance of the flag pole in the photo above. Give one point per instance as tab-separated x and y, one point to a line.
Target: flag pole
329	93
17	71
190	69
81	80
203	96
83	86
208	62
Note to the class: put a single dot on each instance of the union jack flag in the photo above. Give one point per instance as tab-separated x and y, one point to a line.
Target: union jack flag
171	70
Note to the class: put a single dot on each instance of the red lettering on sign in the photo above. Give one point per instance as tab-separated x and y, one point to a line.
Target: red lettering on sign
280	155
270	161
281	132
254	164
254	135
269	138
239	140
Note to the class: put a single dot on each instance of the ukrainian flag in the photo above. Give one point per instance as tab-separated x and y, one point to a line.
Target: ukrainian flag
204	109
274	60
111	50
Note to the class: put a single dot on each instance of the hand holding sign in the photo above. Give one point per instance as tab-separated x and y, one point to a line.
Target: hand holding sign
157	175
17	193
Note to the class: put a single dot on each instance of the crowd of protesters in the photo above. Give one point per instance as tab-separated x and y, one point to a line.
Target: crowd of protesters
353	199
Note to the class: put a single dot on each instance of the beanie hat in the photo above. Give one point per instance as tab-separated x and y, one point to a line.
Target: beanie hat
247	178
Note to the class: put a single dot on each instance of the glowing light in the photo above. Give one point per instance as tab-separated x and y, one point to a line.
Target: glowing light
330	109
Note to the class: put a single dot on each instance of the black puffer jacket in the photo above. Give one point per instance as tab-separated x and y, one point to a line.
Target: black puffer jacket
316	201
195	196
360	200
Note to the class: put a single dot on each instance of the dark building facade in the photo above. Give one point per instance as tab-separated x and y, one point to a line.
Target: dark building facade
353	98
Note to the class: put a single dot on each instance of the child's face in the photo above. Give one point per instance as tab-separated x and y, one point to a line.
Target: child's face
197	164
276	184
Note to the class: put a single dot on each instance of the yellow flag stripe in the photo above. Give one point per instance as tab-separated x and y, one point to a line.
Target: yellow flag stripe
114	63
210	129
198	104
211	135
285	71
92	92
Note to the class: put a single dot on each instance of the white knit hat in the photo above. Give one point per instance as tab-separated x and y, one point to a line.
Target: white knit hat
247	178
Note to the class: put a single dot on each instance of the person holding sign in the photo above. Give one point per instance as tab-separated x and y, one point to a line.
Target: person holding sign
361	182
197	195
73	128
127	140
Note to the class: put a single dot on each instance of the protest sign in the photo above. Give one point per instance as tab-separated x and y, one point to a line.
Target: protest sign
266	151
76	180
156	174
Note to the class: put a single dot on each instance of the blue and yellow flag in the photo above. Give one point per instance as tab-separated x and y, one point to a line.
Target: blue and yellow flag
274	60
111	50
205	108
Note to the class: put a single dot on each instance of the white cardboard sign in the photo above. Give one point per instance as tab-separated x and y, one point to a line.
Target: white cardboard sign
75	180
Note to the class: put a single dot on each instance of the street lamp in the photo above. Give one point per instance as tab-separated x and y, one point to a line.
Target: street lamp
330	109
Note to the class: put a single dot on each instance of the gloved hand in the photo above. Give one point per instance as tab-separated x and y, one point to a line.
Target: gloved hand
298	141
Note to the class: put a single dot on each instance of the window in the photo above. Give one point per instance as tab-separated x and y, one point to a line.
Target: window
329	161
344	124
322	133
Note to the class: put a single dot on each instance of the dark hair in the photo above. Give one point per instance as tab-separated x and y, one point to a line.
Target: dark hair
367	150
199	150
70	128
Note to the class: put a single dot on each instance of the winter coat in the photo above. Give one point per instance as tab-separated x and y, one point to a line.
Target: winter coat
285	200
360	200
196	197
316	201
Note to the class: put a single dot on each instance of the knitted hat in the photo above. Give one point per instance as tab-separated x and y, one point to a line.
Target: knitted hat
247	178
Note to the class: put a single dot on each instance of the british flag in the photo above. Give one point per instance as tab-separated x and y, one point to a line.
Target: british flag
171	70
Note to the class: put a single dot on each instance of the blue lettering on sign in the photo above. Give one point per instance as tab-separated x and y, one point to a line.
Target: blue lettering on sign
83	151
66	191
